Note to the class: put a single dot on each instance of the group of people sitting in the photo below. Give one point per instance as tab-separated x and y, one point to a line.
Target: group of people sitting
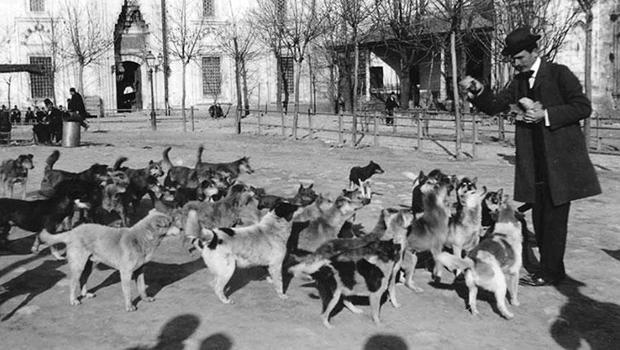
48	127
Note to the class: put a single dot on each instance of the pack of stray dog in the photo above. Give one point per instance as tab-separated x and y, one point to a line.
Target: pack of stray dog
463	226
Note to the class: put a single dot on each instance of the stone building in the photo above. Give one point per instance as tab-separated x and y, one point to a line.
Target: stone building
120	76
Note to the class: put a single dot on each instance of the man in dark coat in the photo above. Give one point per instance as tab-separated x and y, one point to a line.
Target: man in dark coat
552	162
390	104
76	108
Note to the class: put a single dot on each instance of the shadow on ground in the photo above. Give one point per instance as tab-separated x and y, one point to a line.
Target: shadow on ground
180	328
583	319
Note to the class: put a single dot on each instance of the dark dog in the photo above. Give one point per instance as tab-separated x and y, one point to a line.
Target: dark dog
178	176
45	214
15	171
304	196
417	203
230	170
140	181
358	174
52	177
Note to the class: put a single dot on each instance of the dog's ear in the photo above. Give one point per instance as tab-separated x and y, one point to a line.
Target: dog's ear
474	180
30	156
310	186
500	193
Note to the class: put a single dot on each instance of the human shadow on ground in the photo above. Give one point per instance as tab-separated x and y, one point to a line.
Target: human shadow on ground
613	253
385	342
31	283
583	319
180	328
157	275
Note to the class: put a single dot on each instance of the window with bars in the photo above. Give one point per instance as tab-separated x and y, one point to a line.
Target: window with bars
288	66
211	76
208	8
281	9
41	84
37	5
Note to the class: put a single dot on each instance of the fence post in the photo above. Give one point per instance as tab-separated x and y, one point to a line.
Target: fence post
500	124
310	133
375	126
420	121
394	122
260	129
340	128
283	127
192	116
598	136
474	136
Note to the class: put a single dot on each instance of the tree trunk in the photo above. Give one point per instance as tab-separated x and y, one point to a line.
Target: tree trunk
455	94
588	71
355	82
81	78
239	100
405	84
183	94
296	114
279	82
246	97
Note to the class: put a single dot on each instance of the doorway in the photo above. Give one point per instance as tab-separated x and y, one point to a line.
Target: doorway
128	86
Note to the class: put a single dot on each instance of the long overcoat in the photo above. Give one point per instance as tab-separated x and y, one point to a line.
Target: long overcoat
570	174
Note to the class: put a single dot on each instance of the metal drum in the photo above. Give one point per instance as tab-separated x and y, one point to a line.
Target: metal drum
70	134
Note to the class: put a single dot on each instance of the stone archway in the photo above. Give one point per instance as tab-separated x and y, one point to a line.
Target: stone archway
130	35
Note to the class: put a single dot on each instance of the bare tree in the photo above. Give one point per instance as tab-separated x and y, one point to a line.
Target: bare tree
586	7
187	29
304	23
268	19
404	27
237	39
88	37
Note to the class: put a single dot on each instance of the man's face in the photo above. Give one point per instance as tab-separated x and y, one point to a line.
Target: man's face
522	61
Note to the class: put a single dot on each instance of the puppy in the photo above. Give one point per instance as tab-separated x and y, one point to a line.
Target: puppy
52	177
358	174
262	244
464	228
125	249
362	271
15	171
494	263
429	231
45	214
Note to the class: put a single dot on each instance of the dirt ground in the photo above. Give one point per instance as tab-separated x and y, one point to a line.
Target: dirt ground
583	312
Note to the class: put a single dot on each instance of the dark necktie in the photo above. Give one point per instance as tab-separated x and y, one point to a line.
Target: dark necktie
524	82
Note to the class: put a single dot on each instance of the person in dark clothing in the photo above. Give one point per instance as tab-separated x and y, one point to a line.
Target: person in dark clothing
16	115
54	116
552	166
41	128
390	104
29	117
5	121
76	108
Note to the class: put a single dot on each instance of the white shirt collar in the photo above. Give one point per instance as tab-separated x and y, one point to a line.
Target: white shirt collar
535	67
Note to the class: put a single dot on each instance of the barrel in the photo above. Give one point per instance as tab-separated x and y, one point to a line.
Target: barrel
70	134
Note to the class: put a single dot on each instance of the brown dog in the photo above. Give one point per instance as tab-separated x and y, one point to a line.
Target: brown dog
125	249
15	171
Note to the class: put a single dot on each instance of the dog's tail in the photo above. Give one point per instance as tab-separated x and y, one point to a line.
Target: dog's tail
119	162
201	148
51	160
308	265
166	159
51	239
453	262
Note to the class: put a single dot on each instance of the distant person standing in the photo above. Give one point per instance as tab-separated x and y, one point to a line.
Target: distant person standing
54	115
5	121
390	104
30	117
76	108
16	115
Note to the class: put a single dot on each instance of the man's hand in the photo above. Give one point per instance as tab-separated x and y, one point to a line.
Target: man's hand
534	111
472	86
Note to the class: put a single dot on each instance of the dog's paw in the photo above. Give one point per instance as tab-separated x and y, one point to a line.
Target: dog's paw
414	288
282	296
508	315
515	302
149	299
395	303
130	308
89	295
327	324
75	302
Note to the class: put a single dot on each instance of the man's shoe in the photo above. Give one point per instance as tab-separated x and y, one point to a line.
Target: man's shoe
536	280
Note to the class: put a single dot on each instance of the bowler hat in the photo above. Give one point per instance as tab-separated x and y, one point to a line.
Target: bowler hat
518	40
